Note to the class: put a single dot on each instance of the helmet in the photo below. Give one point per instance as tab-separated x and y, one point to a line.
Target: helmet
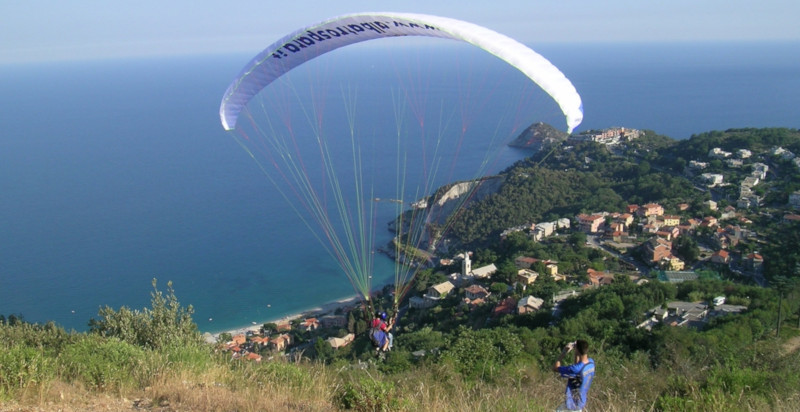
383	315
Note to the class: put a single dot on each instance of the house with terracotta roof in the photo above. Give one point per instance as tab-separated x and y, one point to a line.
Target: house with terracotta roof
253	357
476	292
651	209
281	342
754	262
721	257
524	262
309	324
472	303
590	223
657	249
709	221
239	339
598	278
506	306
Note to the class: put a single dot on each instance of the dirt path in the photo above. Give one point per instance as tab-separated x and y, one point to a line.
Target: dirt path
791	345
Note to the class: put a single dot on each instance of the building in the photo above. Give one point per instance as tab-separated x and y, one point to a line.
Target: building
309	324
598	278
590	223
476	292
673	263
677	276
718	153
484	272
526	277
337	343
417	302
712	179
281	342
439	291
610	136
524	262
671	220
333	321
658	249
754	262
529	304
506	306
722	257
651	209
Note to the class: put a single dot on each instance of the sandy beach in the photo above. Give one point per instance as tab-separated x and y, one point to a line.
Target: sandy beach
317	311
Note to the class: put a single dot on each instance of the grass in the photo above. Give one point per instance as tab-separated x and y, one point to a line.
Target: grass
198	379
46	369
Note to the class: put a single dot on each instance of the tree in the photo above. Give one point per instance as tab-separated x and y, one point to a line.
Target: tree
323	350
686	247
782	285
577	238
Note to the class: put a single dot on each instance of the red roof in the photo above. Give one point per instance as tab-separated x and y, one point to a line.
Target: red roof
507	305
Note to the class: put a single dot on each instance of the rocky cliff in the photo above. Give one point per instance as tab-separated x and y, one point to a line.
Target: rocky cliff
538	135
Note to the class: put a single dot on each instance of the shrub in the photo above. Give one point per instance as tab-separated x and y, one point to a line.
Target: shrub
21	367
367	395
102	363
166	323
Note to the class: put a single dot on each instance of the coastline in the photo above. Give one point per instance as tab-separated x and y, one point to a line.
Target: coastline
316	311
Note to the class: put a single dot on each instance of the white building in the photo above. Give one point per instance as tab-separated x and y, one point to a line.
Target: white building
760	170
712	179
719	153
484	271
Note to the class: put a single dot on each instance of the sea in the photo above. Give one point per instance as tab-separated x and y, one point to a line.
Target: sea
117	172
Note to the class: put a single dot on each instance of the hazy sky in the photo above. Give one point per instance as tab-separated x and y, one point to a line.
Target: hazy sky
42	30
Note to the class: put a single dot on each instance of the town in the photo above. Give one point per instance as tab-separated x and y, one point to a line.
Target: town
712	234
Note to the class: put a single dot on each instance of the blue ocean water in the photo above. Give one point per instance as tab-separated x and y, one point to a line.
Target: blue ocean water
116	172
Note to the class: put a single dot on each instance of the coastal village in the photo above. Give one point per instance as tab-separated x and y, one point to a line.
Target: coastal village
641	238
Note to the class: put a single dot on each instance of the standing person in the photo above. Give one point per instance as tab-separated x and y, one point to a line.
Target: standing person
579	375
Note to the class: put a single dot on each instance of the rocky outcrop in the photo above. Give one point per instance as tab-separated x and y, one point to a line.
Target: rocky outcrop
537	136
461	195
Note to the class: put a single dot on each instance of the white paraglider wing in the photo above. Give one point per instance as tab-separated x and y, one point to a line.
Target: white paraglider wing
310	42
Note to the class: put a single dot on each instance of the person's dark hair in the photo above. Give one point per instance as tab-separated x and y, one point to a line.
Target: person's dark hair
581	347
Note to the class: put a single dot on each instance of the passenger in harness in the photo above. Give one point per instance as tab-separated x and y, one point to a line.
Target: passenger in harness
379	332
579	375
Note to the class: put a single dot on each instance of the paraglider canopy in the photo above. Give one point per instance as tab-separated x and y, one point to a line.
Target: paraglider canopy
317	39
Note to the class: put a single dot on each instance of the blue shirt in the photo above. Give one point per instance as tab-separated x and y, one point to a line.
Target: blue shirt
579	379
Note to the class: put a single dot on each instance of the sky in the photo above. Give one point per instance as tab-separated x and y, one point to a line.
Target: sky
55	30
